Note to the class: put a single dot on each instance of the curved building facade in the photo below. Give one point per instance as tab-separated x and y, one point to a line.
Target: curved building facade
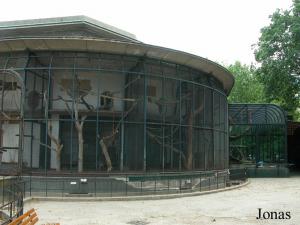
97	99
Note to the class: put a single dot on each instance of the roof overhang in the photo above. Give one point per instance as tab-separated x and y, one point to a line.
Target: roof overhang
69	26
120	47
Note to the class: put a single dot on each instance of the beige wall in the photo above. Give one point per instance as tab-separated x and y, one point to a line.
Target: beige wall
107	82
10	139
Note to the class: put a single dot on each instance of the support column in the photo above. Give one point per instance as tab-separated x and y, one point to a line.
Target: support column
122	147
145	122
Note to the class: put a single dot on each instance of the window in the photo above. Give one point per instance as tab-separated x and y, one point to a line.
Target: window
8	86
81	87
106	101
151	91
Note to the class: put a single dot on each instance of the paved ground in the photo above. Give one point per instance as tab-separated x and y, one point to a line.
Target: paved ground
238	206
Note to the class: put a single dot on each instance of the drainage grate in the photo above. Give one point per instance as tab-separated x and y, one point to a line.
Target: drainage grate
138	222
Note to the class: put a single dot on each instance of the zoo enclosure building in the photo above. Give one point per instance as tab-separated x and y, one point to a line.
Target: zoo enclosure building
80	95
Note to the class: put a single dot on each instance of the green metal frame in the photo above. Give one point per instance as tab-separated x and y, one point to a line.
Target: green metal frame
210	125
258	133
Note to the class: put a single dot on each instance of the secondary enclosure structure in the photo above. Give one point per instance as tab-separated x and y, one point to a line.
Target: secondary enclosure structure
96	99
258	134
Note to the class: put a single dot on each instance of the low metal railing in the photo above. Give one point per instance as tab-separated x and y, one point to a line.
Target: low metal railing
125	185
11	198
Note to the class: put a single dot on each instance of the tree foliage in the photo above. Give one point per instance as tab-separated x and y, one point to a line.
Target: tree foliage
247	88
278	52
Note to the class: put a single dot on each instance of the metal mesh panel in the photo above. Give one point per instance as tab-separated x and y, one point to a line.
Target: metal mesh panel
257	133
119	113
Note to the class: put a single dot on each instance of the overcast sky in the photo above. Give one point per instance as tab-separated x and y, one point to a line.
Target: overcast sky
220	30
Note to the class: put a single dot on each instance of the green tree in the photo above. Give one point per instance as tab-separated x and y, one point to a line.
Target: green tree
278	54
247	88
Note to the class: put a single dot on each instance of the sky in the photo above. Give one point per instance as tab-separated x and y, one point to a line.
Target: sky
220	30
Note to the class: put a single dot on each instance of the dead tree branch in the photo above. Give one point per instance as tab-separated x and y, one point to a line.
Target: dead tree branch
58	147
153	136
108	140
190	122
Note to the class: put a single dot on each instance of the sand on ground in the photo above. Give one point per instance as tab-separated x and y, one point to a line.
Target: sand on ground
239	206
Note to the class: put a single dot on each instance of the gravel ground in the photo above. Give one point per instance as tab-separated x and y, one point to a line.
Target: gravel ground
239	206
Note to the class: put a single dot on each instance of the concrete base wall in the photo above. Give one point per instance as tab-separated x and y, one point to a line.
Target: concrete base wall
268	172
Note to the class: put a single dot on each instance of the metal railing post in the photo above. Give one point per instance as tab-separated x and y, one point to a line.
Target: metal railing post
168	185
217	180
46	187
155	185
63	189
95	187
200	182
24	192
30	184
110	187
10	210
3	193
126	187
180	185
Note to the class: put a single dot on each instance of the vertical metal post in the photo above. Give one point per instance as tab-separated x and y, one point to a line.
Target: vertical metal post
180	124
155	185
97	122
180	185
145	119
126	188
21	129
221	160
3	193
30	183
72	113
21	202
164	121
47	116
226	135
2	94
95	187
31	144
168	184
205	125
200	182
171	153
122	121
31	123
213	126
111	186
122	146
2	103
163	150
46	186
193	122
63	188
10	210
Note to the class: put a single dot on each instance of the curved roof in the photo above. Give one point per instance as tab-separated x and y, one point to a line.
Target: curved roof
266	114
85	34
